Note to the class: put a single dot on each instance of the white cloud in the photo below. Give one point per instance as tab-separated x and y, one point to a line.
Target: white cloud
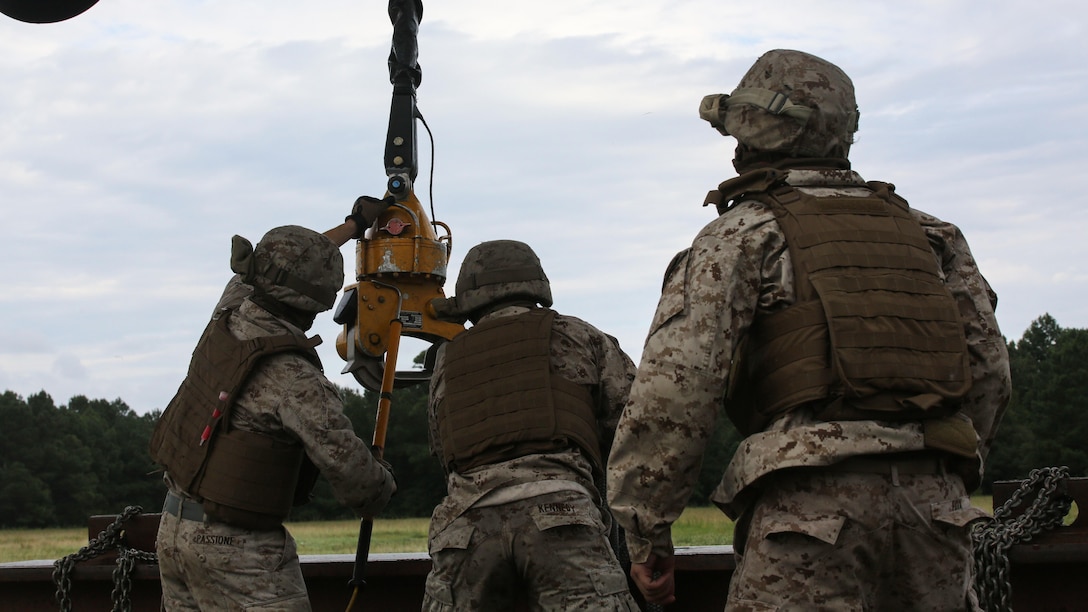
69	367
138	137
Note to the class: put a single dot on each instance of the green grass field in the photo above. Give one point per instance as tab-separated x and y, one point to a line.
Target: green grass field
702	526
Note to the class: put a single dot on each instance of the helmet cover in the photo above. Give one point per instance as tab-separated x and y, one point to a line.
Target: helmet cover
788	102
493	272
293	265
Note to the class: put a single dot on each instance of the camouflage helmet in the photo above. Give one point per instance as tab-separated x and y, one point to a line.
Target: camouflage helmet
493	272
788	102
293	265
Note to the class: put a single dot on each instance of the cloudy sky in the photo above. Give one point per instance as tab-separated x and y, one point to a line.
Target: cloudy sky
137	138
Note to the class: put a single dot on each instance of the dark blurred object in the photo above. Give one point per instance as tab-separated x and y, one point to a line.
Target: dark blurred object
44	11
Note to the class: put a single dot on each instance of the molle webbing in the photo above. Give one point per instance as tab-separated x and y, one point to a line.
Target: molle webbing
502	400
873	324
222	363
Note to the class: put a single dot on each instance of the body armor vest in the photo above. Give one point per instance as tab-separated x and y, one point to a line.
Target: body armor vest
242	477
502	400
874	333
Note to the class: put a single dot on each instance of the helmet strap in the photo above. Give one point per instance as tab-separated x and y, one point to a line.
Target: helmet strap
302	319
746	158
774	102
480	313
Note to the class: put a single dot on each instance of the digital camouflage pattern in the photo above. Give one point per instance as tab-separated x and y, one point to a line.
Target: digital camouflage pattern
739	265
293	265
212	566
790	102
550	551
543	501
811	544
492	272
290	399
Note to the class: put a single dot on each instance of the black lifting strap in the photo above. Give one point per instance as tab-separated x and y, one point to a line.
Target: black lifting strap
403	65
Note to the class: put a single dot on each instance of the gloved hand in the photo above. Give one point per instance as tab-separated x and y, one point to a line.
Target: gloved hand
388	467
385	464
377	495
365	211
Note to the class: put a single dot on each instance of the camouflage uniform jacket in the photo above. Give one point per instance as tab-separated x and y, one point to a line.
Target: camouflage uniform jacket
739	265
288	398
580	353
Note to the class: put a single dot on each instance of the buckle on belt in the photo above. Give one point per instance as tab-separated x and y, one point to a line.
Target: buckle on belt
182	508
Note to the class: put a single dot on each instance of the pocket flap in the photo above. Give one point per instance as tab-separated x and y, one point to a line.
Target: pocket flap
673	300
610	583
824	529
452	537
958	512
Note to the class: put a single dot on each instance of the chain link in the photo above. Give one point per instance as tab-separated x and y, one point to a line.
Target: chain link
993	539
112	537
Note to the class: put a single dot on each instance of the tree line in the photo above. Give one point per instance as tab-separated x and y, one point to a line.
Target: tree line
61	464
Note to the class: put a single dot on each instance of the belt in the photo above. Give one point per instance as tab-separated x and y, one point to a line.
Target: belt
183	508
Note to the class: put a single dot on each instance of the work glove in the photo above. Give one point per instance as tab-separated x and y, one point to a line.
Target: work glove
388	467
365	211
379	496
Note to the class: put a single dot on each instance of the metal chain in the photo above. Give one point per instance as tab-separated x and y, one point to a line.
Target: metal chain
993	539
109	538
122	576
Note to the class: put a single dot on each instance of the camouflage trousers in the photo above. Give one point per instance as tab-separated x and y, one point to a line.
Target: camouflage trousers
551	551
213	566
836	540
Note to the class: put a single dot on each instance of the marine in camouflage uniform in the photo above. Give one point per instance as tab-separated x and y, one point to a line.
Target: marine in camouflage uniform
850	490
523	517
209	558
